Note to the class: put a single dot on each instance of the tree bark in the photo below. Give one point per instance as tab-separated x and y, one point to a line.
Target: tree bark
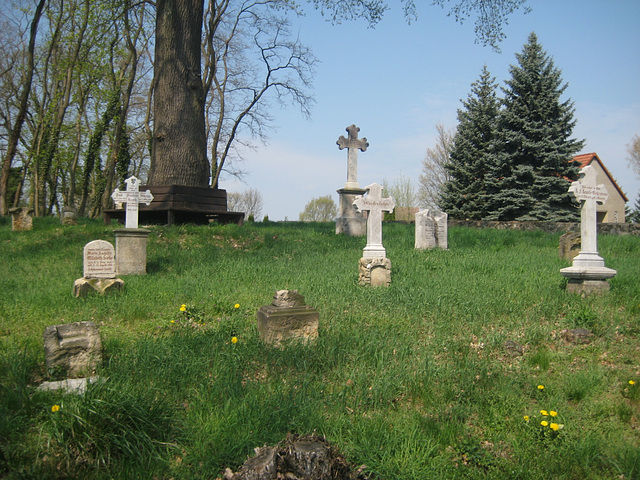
179	143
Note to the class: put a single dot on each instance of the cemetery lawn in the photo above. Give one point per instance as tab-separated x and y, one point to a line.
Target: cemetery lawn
459	369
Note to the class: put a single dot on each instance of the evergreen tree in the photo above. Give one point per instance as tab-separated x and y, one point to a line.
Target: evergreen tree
464	194
529	178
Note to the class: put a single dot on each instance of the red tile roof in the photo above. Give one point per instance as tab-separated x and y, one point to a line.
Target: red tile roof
586	159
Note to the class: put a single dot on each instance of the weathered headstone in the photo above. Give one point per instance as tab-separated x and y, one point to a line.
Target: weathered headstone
21	219
569	246
431	229
288	318
132	197
374	266
588	273
68	215
72	350
349	221
99	269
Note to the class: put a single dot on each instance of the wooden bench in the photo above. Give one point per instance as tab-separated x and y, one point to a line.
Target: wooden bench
177	204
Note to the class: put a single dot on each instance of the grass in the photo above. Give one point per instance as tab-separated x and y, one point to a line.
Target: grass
413	381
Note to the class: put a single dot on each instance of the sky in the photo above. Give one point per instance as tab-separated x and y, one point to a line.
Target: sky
398	80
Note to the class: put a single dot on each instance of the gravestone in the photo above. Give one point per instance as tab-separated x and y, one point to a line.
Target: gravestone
569	246
99	267
68	215
72	350
21	219
588	273
288	318
131	241
431	229
374	266
349	221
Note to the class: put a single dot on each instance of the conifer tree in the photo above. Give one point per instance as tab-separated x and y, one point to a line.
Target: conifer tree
534	148
464	194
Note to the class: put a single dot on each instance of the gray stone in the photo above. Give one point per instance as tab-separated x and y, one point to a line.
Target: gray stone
68	216
375	272
569	246
350	222
72	350
352	144
84	286
577	336
70	385
288	318
21	219
131	251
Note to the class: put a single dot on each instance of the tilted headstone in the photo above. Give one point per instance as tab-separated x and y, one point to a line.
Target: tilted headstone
431	229
21	219
132	197
588	273
349	221
288	318
72	350
99	269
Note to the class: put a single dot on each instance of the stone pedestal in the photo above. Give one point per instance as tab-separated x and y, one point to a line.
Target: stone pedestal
288	318
587	280
374	271
83	286
350	222
131	251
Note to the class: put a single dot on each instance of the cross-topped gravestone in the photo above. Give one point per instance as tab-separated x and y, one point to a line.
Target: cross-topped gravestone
375	205
352	144
132	197
588	273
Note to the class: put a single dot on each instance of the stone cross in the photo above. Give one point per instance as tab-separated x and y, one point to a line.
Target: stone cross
375	205
132	197
586	191
352	144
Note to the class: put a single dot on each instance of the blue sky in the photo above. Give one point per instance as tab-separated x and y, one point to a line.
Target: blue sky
397	81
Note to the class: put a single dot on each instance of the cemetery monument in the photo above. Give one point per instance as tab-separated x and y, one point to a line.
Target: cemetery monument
374	266
99	270
288	318
21	219
588	273
349	221
431	230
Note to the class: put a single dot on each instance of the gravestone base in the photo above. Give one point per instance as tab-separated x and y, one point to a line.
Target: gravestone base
288	318
587	287
374	271
131	251
83	286
587	280
349	221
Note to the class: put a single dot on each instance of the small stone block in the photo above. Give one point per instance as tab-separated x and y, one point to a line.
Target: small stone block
278	325
587	287
374	271
72	350
83	286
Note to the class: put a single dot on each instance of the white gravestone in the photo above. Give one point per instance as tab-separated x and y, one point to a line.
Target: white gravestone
588	272
352	144
375	205
99	260
431	229
132	197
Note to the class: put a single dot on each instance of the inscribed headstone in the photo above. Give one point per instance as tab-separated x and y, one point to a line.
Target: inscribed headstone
73	349
375	205
99	260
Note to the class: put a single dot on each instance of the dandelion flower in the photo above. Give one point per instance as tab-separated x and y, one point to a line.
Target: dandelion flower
237	305
526	418
173	321
553	413
540	387
183	308
544	413
544	423
631	382
234	339
555	427
55	408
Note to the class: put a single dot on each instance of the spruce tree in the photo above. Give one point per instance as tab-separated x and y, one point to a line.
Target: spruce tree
464	194
532	169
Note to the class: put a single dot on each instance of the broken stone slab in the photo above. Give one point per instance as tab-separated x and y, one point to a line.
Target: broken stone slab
70	385
72	350
83	286
288	318
577	336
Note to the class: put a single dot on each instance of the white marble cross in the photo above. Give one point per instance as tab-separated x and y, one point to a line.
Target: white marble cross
132	197
352	144
586	191
373	203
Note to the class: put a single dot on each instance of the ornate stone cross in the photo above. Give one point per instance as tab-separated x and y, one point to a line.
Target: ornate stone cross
352	144
375	205
132	197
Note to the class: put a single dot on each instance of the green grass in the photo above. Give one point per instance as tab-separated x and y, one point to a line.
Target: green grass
413	381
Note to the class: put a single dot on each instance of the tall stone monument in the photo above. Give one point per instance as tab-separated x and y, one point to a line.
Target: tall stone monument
349	221
374	266
588	273
131	242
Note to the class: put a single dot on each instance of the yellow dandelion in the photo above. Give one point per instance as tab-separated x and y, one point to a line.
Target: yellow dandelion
544	413
173	321
553	413
237	305
183	308
540	387
555	427
55	408
544	423
234	339
631	382
526	418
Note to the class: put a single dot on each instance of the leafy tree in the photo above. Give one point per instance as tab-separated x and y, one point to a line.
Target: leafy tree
434	174
321	209
250	202
534	148
464	195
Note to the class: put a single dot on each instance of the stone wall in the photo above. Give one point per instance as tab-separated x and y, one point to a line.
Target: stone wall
549	227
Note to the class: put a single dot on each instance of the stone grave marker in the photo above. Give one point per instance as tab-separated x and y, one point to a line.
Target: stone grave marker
21	219
68	216
99	269
374	266
349	221
132	197
288	318
72	350
588	273
431	229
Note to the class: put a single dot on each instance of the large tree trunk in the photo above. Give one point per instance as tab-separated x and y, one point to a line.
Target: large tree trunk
179	144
